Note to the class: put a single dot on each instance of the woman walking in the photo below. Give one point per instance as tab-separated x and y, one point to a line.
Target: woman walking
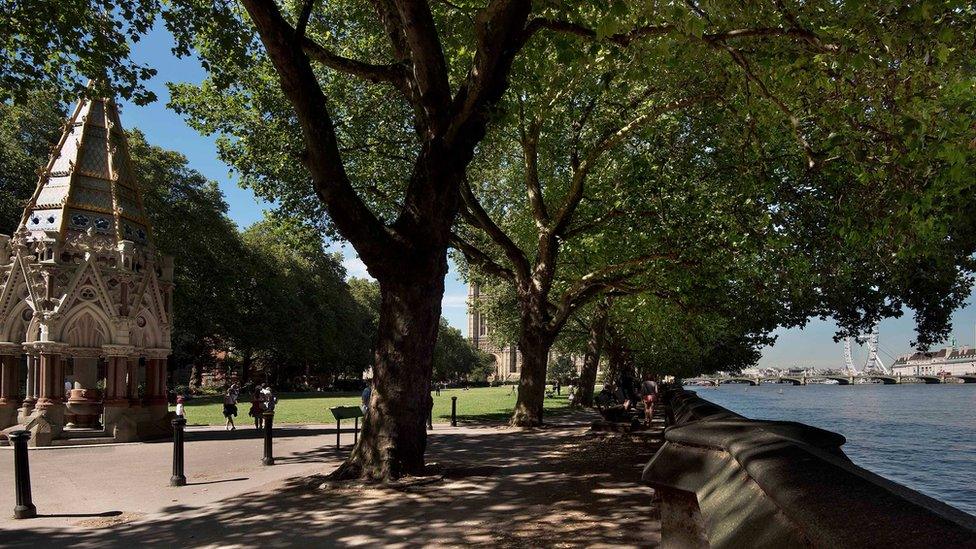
230	408
649	390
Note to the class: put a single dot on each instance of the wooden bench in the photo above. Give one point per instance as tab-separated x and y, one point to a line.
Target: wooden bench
346	412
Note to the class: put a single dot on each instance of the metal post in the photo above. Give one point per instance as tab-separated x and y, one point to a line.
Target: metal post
338	430
268	453
453	411
178	478
24	508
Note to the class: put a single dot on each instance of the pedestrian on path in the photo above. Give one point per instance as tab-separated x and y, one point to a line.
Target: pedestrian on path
230	408
649	391
257	408
180	409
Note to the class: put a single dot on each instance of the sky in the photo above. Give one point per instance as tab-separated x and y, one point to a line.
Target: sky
810	347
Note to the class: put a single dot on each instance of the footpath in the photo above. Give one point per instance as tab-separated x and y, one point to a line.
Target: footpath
498	487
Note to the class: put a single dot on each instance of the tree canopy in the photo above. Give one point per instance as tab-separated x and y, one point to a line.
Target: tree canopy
817	156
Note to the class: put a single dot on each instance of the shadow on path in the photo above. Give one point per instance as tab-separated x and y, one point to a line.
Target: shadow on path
500	488
239	479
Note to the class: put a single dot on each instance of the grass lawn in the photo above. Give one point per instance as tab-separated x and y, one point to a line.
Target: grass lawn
476	404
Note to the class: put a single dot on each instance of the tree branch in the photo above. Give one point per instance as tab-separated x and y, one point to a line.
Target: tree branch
393	73
607	142
478	217
609	277
473	255
530	153
764	90
626	38
427	62
372	240
303	18
499	34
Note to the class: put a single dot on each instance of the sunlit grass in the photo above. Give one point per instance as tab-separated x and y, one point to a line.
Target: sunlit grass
476	404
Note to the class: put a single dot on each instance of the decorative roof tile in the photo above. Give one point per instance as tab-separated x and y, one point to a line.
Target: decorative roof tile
89	181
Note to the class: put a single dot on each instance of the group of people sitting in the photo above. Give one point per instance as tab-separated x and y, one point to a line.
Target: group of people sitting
626	393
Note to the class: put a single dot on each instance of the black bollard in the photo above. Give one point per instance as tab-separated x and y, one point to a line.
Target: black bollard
268	455
453	411
24	508
178	478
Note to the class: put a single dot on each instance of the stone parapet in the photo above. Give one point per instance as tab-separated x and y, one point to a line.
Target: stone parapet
729	481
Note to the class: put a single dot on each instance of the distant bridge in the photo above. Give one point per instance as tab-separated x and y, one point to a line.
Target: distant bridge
841	379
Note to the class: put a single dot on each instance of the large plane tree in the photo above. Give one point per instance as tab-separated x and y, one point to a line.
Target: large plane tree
787	150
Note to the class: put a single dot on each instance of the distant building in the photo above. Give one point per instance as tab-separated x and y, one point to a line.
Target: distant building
947	361
507	358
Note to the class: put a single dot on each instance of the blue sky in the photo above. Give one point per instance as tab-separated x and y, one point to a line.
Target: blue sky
812	346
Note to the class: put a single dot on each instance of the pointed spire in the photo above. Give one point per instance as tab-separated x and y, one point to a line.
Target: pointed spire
88	184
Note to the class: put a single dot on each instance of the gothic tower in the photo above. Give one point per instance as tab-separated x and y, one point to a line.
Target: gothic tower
85	299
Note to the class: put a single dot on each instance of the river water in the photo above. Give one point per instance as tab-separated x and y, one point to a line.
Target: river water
922	436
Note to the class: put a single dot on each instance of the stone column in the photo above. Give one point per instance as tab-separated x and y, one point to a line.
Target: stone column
156	406
9	383
132	380
116	371
30	389
117	417
84	406
50	395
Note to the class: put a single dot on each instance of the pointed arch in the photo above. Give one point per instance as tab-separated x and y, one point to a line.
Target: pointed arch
16	327
86	326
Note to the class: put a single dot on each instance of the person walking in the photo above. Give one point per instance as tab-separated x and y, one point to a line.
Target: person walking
649	392
230	408
257	408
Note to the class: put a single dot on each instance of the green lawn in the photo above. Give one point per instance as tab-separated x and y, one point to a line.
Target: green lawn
476	404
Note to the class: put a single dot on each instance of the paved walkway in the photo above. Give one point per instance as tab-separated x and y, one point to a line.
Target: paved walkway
555	487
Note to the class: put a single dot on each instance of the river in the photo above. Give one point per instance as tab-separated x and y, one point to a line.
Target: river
922	436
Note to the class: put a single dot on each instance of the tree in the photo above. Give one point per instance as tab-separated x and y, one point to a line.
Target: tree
431	113
595	337
454	357
28	130
55	47
189	219
561	369
688	106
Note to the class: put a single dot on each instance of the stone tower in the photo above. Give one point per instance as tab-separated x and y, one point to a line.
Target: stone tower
85	300
508	360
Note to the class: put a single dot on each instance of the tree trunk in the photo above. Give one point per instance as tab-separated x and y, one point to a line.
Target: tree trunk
620	361
246	368
394	435
534	344
594	346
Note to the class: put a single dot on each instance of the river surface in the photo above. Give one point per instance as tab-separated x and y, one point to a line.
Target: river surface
922	436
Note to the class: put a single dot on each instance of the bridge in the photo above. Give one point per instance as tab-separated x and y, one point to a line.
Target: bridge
840	378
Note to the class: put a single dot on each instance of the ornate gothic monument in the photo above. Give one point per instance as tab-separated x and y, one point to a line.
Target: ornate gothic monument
85	300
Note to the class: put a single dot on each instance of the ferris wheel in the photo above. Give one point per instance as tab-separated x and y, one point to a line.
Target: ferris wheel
873	362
